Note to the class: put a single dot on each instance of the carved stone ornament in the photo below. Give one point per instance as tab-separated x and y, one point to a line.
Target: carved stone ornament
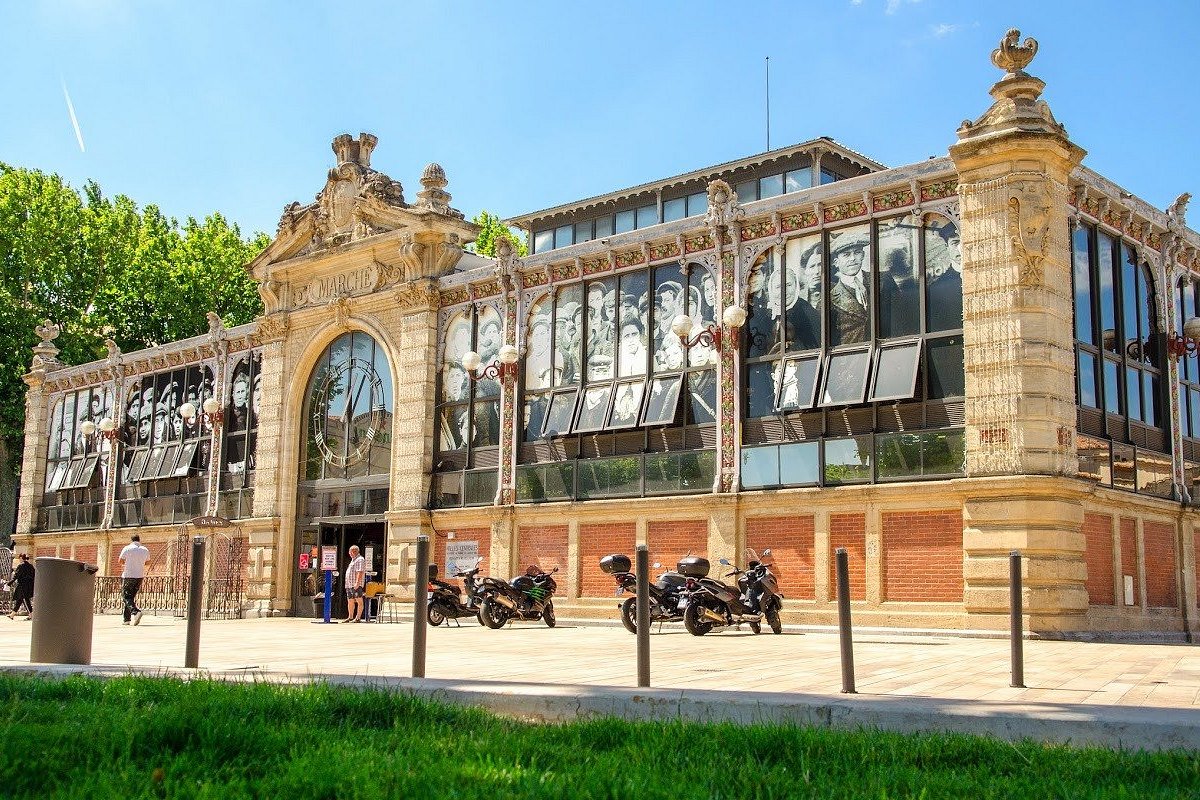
1012	57
723	206
433	195
1177	211
447	253
339	306
1029	231
412	253
1016	95
419	294
216	328
271	328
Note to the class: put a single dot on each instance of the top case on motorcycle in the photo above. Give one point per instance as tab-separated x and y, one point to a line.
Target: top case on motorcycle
693	566
615	563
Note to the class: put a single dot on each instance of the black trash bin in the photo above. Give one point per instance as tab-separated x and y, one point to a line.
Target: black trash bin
62	611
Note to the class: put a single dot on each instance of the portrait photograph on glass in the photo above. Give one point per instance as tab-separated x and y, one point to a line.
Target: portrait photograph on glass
943	275
896	370
702	387
802	294
846	377
538	355
535	416
593	409
663	400
850	285
627	402
899	291
600	325
762	322
798	388
562	409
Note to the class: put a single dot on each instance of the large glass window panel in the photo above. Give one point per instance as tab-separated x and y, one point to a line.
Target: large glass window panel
702	387
609	477
626	221
137	466
562	410
944	362
604	226
850	303
898	455
697	204
454	427
797	179
803	295
760	394
1112	391
760	467
846	378
601	328
56	475
543	241
800	463
899	290
479	488
568	336
583	231
1147	314
1089	395
55	448
1133	393
943	452
669	302
489	336
1129	306
1108	296
627	404
632	319
663	400
702	308
674	209
1194	410
770	186
943	275
799	386
662	473
564	236
538	343
1081	269
1093	459
166	467
485	432
1154	475
848	460
747	191
762	322
1124	473
187	454
593	409
535	416
828	176
896	371
1151	400
647	216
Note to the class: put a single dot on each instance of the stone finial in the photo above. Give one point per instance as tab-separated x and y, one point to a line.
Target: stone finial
354	151
1012	57
215	325
47	332
1177	211
111	347
433	194
723	206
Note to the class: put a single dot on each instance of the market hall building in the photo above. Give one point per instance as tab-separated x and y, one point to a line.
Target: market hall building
929	365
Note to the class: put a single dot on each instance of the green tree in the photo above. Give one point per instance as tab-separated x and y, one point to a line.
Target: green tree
490	228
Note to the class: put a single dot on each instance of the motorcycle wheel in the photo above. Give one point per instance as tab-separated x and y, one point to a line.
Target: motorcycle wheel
629	614
492	614
773	620
435	615
694	621
548	615
755	627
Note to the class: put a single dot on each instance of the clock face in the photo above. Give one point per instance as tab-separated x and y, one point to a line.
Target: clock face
347	412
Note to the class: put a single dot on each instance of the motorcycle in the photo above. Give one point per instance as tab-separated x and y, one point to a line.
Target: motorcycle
668	595
446	599
525	597
755	598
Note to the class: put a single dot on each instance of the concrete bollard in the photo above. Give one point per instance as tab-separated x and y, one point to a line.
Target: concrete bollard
420	606
844	634
643	615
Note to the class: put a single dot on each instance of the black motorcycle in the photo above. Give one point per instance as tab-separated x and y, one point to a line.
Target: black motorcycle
526	597
668	595
446	600
756	597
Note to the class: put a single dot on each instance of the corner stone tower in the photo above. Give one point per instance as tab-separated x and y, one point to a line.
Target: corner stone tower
1013	165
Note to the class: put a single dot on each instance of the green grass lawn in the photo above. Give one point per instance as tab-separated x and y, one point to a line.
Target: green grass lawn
143	737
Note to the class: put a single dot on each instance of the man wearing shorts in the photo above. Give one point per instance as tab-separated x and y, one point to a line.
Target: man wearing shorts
356	575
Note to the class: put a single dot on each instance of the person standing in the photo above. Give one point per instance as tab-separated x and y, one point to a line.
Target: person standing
23	593
356	575
133	558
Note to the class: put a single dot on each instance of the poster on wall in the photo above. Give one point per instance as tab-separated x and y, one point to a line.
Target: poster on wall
460	556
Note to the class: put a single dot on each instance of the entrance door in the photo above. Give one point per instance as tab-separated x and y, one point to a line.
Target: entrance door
370	538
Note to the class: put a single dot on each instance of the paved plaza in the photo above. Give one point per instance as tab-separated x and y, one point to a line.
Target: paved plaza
922	682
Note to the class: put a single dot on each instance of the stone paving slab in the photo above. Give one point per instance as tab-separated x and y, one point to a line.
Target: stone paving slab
1143	696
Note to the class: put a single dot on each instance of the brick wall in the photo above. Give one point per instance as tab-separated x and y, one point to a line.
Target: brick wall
923	556
792	548
671	540
45	552
1159	547
545	546
157	565
1129	561
1098	554
597	541
85	553
849	531
481	535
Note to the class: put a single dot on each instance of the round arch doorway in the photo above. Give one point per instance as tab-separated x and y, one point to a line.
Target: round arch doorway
345	465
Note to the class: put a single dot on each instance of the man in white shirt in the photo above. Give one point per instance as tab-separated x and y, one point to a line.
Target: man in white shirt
356	576
133	558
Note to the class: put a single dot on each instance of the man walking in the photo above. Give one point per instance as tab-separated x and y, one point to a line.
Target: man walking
356	575
23	578
134	558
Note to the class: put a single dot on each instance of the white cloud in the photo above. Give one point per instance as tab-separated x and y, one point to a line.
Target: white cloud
945	29
894	5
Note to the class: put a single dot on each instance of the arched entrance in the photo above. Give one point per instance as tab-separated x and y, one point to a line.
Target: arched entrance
344	465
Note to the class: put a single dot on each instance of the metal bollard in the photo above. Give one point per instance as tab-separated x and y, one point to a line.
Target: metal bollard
843	601
420	606
1015	634
191	655
643	615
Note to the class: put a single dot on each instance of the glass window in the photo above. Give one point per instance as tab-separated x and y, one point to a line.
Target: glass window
703	389
770	186
604	226
899	291
1088	391
802	292
568	335
583	231
632	319
564	236
593	410
896	371
1081	241
760	395
760	467
479	488
562	410
1133	393
762	322
848	460
670	300
944	362
627	403
1154	474
674	209
799	385
626	221
828	177
1112	392
647	216
663	400
943	276
943	452
535	416
850	303
1123	470
1151	402
1108	284
797	179
898	455
846	378
747	191
799	463
1093	458
543	241
538	340
486	427
697	204
601	328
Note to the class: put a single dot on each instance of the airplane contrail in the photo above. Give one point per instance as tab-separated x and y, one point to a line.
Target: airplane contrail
74	120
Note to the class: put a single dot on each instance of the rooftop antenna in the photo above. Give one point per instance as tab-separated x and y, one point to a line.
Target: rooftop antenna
768	103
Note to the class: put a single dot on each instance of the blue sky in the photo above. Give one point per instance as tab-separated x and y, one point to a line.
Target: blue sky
231	106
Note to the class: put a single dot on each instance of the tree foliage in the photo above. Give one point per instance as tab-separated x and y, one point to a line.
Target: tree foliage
100	266
492	227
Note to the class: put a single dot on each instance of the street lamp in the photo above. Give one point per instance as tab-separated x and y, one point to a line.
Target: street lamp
710	335
1187	344
503	368
107	429
211	413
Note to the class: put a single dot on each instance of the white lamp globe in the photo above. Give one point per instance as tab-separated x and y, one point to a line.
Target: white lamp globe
188	411
1191	328
682	326
211	405
734	317
106	425
470	360
508	354
87	428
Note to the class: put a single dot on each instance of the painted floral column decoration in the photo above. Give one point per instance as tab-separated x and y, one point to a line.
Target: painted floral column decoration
724	214
505	264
